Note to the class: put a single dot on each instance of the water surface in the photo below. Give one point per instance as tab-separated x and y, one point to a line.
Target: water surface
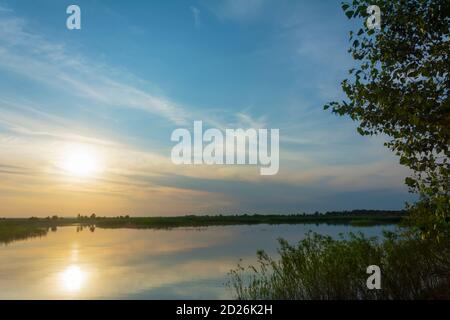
184	263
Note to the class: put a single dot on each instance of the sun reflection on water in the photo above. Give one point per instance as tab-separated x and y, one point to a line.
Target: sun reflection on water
72	279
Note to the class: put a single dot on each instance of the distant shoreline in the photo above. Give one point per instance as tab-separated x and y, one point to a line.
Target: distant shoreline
12	229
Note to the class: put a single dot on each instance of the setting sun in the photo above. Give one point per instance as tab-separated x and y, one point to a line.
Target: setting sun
81	162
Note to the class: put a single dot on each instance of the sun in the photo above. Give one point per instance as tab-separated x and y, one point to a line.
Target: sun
81	161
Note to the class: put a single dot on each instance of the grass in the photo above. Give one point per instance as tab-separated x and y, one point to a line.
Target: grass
322	268
20	229
12	232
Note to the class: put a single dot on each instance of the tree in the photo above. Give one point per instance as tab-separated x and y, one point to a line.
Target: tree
400	88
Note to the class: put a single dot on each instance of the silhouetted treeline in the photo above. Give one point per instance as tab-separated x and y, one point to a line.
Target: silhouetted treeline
20	228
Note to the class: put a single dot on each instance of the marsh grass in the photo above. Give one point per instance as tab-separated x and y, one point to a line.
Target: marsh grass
11	232
320	267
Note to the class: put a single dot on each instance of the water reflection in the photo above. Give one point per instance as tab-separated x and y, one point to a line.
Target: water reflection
140	264
72	279
82	227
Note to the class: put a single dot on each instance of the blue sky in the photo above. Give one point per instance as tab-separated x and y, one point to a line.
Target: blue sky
136	71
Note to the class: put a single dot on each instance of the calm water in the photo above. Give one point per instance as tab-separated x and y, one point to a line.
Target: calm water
140	264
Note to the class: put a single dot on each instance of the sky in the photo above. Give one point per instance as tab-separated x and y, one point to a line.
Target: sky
110	95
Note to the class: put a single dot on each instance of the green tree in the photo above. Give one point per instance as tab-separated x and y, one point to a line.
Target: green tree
400	88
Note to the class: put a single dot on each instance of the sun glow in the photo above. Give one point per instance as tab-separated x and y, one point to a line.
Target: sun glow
72	278
81	162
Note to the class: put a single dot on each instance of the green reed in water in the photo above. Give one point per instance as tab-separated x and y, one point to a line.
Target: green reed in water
13	232
320	267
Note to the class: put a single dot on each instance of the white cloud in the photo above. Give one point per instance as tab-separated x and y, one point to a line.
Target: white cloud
196	15
246	121
4	9
239	10
33	56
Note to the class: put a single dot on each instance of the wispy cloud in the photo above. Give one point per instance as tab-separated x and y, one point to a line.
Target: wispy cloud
31	55
196	16
237	10
4	9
